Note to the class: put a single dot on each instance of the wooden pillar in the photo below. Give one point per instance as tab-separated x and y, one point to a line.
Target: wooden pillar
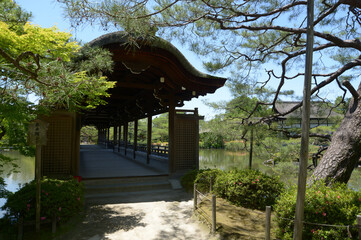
135	137
108	137
171	146
115	135
125	137
103	136
119	137
98	141
149	138
197	137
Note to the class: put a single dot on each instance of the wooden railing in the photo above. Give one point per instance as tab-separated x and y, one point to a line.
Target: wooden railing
156	149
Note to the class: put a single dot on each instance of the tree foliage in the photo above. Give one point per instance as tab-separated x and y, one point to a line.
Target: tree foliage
41	70
260	43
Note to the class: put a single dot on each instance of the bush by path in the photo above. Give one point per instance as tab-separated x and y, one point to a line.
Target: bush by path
60	198
247	188
335	205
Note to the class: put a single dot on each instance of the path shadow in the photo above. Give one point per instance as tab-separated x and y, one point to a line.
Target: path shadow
148	196
102	220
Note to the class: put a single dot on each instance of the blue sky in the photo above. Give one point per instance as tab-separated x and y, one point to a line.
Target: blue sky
48	13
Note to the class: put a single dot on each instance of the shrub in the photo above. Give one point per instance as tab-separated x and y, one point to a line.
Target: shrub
335	205
60	198
248	188
202	177
187	180
205	177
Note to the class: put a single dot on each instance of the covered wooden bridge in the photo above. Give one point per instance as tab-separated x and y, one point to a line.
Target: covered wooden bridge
152	79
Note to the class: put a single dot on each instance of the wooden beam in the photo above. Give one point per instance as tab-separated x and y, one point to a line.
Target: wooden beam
135	85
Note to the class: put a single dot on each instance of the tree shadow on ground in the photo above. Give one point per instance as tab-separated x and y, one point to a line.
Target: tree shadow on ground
168	195
102	220
185	215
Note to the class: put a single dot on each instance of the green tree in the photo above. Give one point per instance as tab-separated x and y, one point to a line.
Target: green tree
41	70
251	37
89	135
160	128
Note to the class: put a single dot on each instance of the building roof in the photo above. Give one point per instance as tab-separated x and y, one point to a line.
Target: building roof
147	77
319	110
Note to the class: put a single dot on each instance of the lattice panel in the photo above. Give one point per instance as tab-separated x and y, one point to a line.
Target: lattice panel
186	145
57	154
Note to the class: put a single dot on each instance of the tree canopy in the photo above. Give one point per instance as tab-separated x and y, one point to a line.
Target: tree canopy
260	43
43	69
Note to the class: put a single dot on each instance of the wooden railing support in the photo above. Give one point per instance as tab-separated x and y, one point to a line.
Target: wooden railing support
268	223
195	197
359	226
214	221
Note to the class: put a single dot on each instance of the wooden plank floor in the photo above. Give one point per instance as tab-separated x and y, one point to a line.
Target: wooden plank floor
97	162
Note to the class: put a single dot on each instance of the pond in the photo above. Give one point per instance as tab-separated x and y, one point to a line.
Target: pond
26	172
208	158
288	172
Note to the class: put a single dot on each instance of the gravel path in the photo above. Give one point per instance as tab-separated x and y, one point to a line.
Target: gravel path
149	219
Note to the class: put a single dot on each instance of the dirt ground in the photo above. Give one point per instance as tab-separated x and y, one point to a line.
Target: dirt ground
141	217
236	222
166	215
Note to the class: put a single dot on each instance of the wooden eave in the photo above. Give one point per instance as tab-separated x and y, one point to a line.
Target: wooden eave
139	91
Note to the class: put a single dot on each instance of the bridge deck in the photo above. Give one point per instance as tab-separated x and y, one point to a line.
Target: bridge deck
97	162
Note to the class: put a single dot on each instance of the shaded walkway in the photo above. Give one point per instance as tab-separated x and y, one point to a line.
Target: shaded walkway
97	162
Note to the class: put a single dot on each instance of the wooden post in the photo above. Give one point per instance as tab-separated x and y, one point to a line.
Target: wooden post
195	196
37	137
197	137
214	221
149	138
38	186
302	175
268	223
135	137
20	228
171	131
108	137
119	137
125	138
115	136
53	224
359	226
251	150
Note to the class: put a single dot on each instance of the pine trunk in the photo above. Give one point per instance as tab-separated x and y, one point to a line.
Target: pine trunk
344	152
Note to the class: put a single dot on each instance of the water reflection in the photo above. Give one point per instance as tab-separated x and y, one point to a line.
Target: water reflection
227	160
25	172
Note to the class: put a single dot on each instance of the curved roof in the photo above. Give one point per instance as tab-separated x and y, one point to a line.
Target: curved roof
149	76
156	42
